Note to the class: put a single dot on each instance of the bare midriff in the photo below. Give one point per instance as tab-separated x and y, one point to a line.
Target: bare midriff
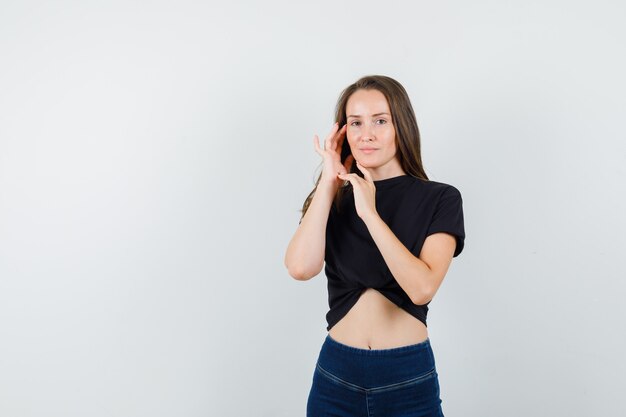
375	322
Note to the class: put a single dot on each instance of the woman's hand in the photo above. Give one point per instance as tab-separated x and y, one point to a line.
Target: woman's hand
332	155
364	192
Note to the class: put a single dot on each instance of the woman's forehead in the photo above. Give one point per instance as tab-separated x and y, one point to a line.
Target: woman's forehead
366	103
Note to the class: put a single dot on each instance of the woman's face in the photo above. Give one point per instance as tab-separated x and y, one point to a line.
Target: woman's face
370	127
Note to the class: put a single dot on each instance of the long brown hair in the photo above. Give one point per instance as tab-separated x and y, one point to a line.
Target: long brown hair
403	117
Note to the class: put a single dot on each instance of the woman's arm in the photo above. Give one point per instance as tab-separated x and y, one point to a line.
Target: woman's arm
304	258
420	277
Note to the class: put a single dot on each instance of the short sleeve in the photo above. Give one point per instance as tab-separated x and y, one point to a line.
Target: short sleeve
448	217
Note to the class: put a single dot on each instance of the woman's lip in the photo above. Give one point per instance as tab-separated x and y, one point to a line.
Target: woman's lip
368	150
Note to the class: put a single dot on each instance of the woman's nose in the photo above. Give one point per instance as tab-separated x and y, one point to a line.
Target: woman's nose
367	133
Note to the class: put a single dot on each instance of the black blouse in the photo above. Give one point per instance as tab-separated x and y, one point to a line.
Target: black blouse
413	209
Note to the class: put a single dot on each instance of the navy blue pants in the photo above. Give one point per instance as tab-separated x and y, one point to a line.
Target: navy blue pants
397	382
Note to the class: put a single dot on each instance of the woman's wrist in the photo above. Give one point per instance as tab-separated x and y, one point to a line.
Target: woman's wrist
328	185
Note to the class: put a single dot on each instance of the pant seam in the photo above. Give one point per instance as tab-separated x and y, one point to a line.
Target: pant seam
402	384
341	381
383	388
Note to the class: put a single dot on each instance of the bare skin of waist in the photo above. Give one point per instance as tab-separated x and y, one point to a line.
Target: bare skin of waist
375	322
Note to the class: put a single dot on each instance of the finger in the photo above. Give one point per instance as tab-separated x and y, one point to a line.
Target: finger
336	142
343	176
328	143
365	172
340	137
341	132
316	144
352	177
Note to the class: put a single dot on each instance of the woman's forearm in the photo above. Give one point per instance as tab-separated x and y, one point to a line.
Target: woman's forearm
412	274
304	257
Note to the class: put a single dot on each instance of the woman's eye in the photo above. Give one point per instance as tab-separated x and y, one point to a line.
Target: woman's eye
355	123
383	121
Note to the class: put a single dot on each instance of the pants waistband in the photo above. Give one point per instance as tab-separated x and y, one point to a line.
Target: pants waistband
376	367
424	345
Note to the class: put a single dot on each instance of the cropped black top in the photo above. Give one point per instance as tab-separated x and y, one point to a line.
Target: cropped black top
413	209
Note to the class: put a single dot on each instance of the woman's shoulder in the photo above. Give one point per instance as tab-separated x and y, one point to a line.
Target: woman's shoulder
436	186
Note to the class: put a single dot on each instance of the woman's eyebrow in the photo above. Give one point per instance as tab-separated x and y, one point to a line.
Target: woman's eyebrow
373	115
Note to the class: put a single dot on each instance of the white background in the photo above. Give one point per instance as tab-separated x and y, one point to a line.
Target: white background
154	156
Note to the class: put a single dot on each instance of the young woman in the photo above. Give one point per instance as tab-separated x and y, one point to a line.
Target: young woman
387	236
